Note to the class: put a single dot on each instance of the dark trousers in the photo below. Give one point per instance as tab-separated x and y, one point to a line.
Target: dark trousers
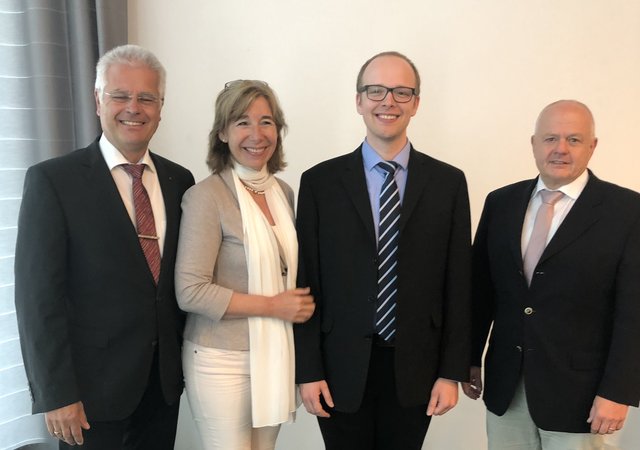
381	423
152	426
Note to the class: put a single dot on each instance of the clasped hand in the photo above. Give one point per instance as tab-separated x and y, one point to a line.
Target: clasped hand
294	305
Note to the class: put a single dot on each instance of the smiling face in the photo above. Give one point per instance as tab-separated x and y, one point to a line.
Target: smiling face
253	137
387	120
129	126
563	142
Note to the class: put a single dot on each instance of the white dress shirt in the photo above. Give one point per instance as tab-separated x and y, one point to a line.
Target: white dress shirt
571	193
114	159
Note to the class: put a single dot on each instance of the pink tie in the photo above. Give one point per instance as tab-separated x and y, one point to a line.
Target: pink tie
538	240
145	222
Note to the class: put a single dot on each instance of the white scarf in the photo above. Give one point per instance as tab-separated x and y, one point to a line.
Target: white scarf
272	362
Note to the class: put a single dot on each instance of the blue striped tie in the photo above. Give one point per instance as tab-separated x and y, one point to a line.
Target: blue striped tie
388	236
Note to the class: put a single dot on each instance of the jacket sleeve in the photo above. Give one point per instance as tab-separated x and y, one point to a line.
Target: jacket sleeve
309	365
201	235
482	289
41	294
619	381
455	350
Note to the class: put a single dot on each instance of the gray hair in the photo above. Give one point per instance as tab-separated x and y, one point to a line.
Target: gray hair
132	55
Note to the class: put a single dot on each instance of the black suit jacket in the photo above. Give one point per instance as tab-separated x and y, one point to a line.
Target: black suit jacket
338	254
89	314
581	337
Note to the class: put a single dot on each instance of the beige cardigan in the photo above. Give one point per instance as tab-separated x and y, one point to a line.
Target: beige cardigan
211	262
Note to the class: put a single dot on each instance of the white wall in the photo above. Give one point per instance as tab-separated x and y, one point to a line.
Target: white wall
488	68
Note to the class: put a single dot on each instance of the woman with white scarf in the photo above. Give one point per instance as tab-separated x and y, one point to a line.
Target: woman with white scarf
235	277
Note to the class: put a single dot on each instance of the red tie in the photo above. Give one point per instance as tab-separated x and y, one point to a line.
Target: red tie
145	222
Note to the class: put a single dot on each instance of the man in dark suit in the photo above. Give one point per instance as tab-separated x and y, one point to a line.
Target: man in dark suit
563	356
372	377
99	326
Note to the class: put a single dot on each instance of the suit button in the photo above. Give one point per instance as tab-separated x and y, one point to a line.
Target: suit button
518	348
528	310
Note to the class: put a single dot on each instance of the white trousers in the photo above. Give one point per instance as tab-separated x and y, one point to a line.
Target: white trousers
516	430
218	387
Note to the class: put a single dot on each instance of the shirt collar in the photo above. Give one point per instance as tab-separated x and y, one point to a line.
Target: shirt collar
114	158
371	158
571	190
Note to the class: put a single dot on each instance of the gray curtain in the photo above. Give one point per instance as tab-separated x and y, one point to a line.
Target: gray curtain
48	52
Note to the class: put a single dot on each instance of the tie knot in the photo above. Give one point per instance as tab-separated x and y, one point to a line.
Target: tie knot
135	170
388	166
550	197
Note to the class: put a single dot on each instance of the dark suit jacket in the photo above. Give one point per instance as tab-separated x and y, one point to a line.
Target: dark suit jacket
581	339
338	260
89	314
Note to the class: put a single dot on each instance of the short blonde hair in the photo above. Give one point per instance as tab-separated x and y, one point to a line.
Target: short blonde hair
360	87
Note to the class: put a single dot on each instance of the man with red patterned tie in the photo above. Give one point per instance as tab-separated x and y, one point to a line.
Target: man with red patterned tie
99	326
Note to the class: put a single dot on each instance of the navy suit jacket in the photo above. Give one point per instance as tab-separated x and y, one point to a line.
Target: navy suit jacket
338	260
90	316
580	337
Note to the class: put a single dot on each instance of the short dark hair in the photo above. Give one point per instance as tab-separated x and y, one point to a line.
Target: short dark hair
232	102
389	53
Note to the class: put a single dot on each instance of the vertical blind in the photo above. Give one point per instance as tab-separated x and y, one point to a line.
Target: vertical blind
48	51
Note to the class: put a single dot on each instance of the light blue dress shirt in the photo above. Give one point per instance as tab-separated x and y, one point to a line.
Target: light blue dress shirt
375	176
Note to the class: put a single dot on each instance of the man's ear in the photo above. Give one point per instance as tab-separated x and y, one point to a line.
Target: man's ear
96	95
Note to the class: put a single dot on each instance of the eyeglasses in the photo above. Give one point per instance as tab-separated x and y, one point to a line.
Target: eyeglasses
377	93
126	97
229	84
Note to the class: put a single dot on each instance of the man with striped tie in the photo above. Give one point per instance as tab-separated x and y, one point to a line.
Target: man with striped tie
384	236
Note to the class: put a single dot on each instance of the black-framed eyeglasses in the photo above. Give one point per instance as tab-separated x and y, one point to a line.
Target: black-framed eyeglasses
229	84
125	97
377	92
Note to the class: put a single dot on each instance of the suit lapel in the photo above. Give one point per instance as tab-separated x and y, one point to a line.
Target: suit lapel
584	213
172	199
516	221
106	196
355	184
417	179
116	218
